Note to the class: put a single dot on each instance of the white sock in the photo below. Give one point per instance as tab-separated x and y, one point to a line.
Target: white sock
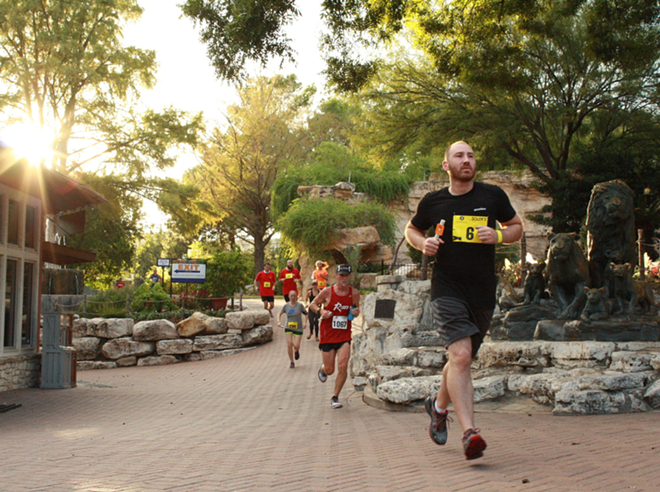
439	410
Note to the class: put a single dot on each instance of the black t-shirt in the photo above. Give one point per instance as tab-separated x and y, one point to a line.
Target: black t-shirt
464	267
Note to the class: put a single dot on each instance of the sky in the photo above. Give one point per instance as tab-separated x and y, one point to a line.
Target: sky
186	79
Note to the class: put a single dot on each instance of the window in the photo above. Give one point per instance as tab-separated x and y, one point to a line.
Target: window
12	222
10	302
30	227
28	298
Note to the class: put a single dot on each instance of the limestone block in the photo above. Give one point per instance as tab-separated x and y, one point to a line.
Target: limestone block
407	311
174	347
258	335
87	348
390	373
217	342
489	388
636	346
192	326
364	237
161	360
154	330
212	354
521	354
401	357
406	390
612	382
360	382
343	190
551	330
234	331
261	317
594	402
368	281
79	329
125	347
655	362
581	354
425	338
110	327
241	320
432	358
419	288
215	326
126	361
87	365
628	361
362	358
652	395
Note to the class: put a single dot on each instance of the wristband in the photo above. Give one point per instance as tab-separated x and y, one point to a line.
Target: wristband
499	236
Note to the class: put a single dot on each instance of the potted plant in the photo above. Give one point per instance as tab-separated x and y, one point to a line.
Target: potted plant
226	273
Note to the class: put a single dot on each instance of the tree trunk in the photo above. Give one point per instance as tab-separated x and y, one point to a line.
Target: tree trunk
259	253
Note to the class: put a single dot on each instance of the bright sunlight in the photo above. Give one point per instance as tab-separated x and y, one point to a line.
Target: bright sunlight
30	141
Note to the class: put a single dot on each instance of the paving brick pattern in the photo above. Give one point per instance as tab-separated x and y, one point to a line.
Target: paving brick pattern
247	423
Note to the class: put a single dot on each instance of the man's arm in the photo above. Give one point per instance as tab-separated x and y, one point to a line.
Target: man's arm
511	232
356	302
418	240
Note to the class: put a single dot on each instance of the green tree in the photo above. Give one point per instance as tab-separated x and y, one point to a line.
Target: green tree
263	135
64	69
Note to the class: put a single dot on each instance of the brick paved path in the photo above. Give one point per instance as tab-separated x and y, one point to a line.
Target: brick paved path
247	422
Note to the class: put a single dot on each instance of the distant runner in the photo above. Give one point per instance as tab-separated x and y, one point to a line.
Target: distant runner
265	282
294	312
341	303
289	277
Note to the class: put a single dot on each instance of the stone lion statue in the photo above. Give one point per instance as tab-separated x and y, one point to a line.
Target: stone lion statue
628	296
567	274
611	228
596	306
534	286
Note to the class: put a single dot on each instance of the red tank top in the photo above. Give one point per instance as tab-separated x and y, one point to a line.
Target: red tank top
337	328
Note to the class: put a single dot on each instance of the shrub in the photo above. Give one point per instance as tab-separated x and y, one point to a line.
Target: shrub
227	272
151	297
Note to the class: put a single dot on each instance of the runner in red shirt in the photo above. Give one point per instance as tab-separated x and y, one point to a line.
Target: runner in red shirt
265	282
289	276
342	304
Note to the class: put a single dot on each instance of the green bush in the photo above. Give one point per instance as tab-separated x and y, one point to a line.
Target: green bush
109	303
311	225
227	272
151	297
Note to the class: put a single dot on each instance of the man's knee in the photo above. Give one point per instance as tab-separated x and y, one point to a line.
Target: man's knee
460	355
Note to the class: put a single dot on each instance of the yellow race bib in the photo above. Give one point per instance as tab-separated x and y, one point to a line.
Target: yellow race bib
288	275
293	325
266	284
464	228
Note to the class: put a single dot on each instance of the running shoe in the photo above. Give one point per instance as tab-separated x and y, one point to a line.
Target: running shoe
323	377
473	444
296	355
334	402
292	366
309	336
439	421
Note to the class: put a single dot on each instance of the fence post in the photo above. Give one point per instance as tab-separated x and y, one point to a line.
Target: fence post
523	258
640	249
84	303
128	306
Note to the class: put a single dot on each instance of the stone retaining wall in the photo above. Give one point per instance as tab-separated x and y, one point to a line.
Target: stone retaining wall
107	343
20	372
401	359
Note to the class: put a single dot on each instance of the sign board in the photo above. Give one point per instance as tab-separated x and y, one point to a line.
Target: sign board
384	308
163	262
188	272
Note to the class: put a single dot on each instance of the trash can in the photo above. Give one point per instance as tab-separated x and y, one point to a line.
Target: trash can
58	362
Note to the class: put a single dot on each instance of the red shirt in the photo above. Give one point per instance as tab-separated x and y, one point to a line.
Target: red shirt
266	283
288	278
337	328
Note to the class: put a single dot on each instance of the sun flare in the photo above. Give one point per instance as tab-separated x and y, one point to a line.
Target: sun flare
30	141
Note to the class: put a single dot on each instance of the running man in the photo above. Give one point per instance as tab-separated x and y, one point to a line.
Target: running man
341	303
265	282
293	331
464	280
321	274
289	277
312	317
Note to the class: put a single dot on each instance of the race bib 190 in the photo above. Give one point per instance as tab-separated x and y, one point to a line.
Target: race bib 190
340	322
293	325
465	228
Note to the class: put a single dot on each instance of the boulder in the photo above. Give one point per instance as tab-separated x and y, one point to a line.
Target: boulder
241	320
363	237
192	326
126	361
125	347
161	360
87	365
216	326
174	347
154	330
260	317
581	354
258	335
629	361
595	402
110	327
217	342
652	395
489	388
406	390
87	348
